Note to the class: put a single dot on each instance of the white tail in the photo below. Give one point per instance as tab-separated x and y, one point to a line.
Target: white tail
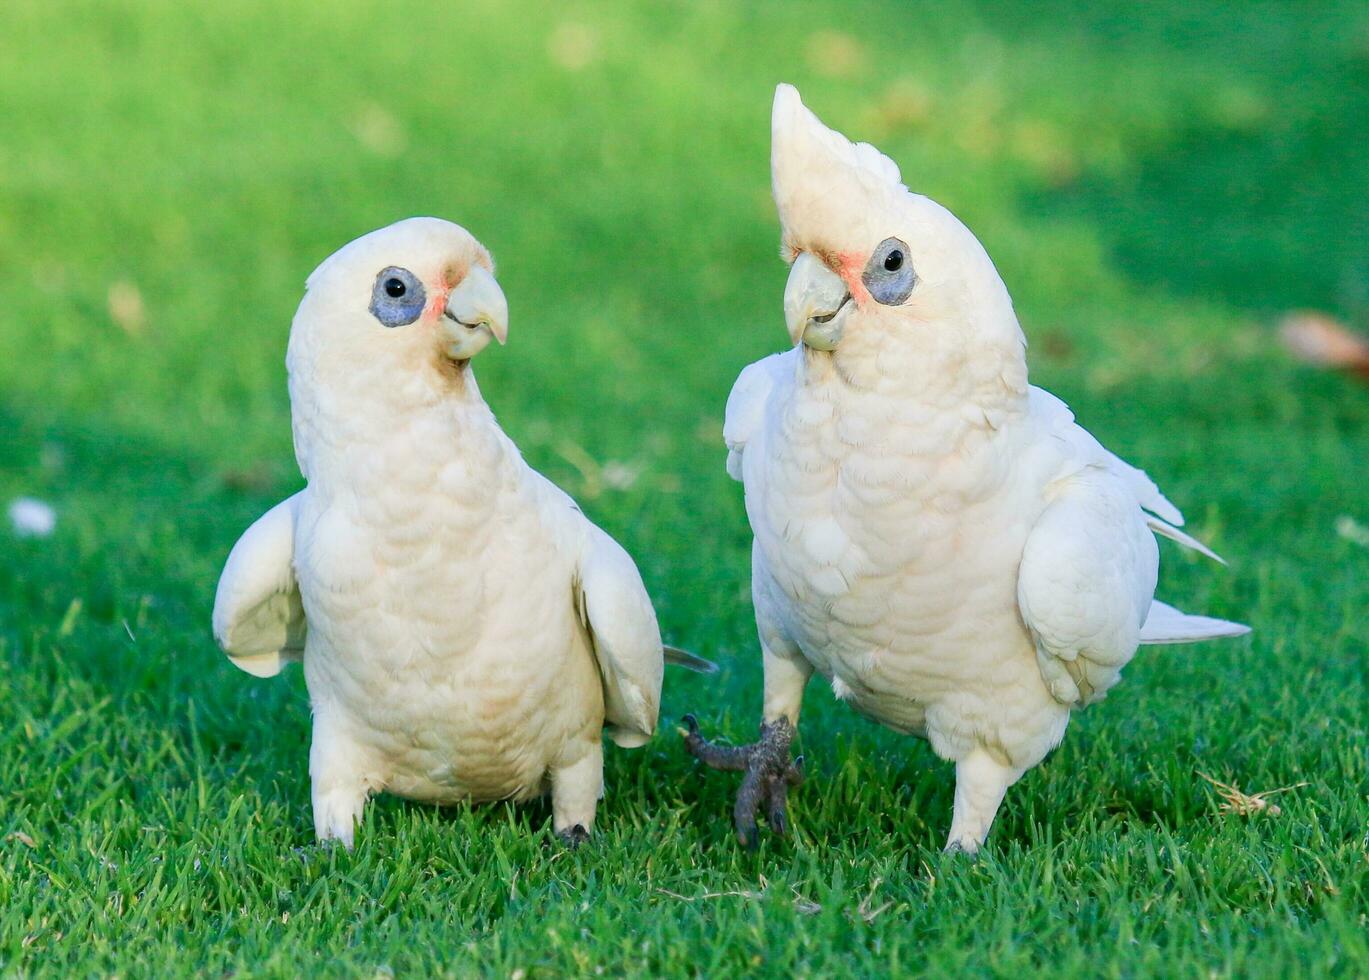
1165	624
1168	530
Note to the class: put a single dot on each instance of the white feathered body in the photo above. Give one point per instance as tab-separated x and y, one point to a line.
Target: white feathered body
934	535
889	533
436	571
466	632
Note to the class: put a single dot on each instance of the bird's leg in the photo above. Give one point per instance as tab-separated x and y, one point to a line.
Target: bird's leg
768	773
786	675
342	778
749	795
575	791
729	758
777	804
980	782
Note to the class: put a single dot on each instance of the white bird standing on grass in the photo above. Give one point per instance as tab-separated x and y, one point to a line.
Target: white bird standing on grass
936	537
466	631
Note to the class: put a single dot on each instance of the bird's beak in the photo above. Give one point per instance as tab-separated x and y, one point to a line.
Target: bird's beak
816	302
476	311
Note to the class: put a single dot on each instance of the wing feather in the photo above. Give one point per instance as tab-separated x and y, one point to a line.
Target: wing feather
1088	572
1058	419
1165	624
745	412
258	615
1086	579
626	640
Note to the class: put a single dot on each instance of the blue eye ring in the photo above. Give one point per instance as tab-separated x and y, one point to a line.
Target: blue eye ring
397	298
889	275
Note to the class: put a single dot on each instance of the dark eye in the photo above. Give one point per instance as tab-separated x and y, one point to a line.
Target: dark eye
397	298
889	275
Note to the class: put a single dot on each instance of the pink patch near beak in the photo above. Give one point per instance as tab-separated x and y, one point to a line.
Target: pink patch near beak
439	303
850	269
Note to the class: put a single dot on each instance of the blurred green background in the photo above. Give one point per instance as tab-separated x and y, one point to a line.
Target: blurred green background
1158	185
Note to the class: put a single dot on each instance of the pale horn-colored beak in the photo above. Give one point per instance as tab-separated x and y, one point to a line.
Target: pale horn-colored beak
476	311
815	303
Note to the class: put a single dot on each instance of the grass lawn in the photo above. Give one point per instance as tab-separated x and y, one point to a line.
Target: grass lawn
1156	185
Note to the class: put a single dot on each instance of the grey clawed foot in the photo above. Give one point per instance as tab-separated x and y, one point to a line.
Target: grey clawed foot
573	837
957	848
768	774
730	758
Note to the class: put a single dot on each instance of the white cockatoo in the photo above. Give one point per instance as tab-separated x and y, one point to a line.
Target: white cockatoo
466	632
936	537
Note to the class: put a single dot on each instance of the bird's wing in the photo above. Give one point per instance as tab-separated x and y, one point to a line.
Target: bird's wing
746	406
1057	418
1085	584
1087	580
258	615
621	623
1162	516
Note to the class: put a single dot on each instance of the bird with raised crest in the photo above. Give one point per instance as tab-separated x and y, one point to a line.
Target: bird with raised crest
936	537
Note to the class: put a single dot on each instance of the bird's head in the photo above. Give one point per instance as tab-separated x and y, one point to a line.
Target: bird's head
387	328
878	273
405	307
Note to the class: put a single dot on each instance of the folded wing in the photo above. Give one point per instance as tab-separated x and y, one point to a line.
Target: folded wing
1085	584
1087	580
746	406
258	615
626	640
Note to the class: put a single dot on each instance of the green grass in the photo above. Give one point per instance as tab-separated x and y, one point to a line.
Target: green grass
1156	184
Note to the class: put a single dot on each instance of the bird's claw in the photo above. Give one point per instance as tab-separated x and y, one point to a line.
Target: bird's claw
573	837
768	774
960	851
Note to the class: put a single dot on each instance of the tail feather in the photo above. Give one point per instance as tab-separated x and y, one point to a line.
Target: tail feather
1168	530
690	661
1165	624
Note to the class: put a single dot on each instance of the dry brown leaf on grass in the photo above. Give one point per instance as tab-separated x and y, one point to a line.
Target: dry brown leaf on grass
573	46
126	307
803	906
867	909
378	130
1247	804
254	478
904	106
834	54
1324	341
613	475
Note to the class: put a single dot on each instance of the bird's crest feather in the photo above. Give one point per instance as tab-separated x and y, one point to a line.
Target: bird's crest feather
818	175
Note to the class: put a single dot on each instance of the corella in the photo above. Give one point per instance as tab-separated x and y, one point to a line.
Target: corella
466	632
936	537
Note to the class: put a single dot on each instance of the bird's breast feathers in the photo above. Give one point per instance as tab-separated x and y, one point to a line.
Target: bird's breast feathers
892	533
441	619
